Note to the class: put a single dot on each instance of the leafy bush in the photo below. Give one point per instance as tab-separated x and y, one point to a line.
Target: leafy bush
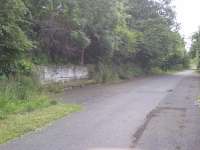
25	67
104	73
127	71
186	61
156	70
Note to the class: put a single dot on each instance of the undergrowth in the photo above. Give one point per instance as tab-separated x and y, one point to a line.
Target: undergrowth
105	73
22	94
24	107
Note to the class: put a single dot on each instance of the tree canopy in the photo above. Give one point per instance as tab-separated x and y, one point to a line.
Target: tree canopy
141	32
195	47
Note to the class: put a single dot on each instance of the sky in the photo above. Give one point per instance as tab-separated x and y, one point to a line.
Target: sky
188	12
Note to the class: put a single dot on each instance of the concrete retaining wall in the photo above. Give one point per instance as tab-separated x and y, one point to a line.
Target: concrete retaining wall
50	74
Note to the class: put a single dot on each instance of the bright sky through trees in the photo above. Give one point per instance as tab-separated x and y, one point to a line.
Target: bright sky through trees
187	14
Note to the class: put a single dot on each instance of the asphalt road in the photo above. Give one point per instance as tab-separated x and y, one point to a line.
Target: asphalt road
154	113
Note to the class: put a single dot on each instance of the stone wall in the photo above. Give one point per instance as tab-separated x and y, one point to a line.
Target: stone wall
50	74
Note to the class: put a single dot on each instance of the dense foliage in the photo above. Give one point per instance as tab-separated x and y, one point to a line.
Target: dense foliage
195	48
13	39
142	33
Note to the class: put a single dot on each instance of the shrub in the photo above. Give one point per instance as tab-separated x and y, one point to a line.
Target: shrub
25	67
104	73
127	71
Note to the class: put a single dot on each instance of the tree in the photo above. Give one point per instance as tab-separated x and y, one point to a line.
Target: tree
114	32
155	20
195	47
13	40
82	41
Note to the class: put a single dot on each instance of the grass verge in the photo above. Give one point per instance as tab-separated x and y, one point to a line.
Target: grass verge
18	124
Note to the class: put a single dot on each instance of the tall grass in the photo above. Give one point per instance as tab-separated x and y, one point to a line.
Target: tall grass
20	95
24	107
104	73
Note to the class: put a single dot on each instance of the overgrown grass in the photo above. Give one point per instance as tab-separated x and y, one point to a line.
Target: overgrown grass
59	87
21	95
25	107
18	124
102	73
105	73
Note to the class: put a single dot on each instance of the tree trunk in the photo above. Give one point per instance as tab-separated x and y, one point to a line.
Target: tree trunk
82	57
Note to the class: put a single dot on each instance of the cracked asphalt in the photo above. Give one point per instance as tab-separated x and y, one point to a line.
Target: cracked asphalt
152	113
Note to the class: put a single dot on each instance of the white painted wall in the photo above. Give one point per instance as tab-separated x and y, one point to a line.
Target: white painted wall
48	74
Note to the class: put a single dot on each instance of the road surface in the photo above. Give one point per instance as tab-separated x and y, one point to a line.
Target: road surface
153	113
